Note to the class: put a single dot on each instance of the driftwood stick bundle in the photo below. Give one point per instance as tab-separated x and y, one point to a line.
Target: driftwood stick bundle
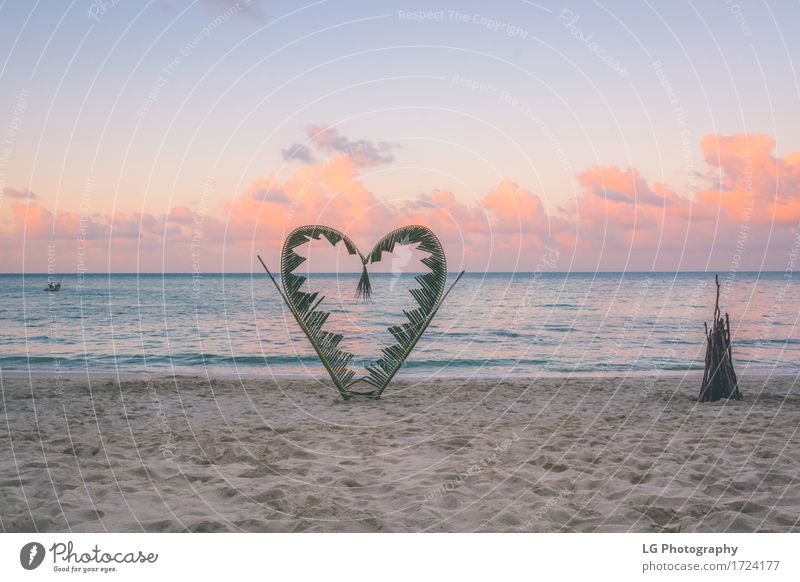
719	377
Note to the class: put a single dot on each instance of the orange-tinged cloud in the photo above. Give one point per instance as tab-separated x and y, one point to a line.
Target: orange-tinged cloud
619	220
619	208
754	185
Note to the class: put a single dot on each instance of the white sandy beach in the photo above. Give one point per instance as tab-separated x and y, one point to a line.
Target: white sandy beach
189	454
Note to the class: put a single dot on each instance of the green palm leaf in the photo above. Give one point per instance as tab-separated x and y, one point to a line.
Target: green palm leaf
306	306
429	296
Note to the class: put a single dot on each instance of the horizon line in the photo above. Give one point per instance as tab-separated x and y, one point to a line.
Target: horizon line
466	272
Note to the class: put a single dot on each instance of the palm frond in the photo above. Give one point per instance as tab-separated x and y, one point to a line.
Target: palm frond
428	296
306	306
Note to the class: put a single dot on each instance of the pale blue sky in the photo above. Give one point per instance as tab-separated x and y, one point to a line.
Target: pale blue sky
255	81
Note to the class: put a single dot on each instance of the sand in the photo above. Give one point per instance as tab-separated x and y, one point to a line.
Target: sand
539	455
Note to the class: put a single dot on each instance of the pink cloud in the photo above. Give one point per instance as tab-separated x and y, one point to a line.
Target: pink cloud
754	185
19	194
619	208
363	153
619	220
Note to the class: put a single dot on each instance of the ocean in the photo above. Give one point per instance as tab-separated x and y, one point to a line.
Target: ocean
493	324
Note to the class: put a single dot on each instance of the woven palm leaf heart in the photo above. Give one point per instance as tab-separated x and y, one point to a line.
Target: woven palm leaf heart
307	308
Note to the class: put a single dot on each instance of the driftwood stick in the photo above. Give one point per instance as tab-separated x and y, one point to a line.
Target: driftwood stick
719	376
704	388
728	334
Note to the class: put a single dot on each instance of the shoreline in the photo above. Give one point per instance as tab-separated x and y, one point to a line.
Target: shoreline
321	376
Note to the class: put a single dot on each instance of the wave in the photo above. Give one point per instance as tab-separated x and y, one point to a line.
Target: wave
775	341
201	360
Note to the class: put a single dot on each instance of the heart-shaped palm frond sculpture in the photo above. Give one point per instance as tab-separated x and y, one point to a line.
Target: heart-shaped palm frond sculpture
306	307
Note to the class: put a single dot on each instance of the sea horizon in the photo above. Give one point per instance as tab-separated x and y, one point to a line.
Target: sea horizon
449	272
722	273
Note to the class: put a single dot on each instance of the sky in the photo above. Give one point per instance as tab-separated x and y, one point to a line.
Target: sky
169	136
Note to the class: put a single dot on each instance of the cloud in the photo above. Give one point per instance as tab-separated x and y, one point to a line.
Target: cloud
515	209
298	151
619	210
36	222
332	143
180	215
748	214
754	185
19	194
746	218
264	192
364	153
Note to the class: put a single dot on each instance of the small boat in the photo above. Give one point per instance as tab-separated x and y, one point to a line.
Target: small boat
53	287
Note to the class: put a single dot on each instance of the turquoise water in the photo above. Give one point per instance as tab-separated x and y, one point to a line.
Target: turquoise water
492	324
